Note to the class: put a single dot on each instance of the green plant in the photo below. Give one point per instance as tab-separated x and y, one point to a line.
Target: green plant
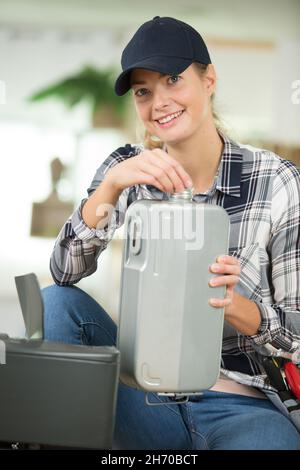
90	84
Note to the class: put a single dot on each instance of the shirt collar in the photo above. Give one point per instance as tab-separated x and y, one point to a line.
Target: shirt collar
230	168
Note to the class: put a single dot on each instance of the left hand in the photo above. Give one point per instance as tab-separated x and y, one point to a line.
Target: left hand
230	266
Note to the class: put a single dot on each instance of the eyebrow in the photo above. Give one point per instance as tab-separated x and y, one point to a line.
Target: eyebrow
141	82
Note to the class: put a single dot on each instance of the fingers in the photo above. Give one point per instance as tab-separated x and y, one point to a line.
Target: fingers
171	165
164	168
153	167
162	177
227	259
146	178
230	265
229	280
220	303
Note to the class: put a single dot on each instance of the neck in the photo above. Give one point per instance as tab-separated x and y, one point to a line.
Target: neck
200	156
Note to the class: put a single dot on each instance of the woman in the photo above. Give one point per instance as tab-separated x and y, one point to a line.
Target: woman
168	68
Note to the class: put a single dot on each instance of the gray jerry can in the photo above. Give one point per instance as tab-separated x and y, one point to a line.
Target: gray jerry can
169	337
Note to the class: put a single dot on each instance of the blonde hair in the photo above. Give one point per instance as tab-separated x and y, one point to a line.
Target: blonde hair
151	143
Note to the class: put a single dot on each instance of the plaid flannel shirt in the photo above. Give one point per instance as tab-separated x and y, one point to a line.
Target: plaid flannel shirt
261	193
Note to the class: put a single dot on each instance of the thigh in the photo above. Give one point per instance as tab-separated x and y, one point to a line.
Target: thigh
234	422
257	430
142	426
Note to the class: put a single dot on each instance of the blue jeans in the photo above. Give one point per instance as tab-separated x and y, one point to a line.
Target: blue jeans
213	421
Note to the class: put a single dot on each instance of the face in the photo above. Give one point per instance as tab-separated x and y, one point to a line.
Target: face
173	107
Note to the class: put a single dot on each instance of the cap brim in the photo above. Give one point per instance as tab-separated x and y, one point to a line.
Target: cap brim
166	65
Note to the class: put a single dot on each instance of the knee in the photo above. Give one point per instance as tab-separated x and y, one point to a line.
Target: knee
59	321
73	316
57	300
54	294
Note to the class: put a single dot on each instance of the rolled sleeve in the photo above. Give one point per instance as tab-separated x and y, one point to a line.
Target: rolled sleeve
85	233
270	326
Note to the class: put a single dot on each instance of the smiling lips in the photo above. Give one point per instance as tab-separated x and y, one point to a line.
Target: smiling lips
168	120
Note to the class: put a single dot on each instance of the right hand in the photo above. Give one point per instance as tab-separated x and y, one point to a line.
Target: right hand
154	167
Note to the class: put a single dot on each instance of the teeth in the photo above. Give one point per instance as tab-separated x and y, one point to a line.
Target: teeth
169	118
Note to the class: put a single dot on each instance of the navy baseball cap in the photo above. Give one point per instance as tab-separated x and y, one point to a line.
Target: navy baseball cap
164	45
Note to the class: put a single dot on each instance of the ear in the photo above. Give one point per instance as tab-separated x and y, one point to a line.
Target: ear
210	79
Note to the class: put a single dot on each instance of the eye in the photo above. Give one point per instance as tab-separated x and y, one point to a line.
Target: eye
174	78
141	92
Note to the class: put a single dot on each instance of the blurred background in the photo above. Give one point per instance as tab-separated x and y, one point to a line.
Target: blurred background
59	118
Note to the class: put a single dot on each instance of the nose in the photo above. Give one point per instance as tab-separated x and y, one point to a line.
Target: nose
161	100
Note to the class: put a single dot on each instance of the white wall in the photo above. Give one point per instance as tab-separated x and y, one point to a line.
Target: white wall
286	112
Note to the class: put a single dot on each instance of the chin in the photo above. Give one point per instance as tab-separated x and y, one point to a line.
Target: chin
176	139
